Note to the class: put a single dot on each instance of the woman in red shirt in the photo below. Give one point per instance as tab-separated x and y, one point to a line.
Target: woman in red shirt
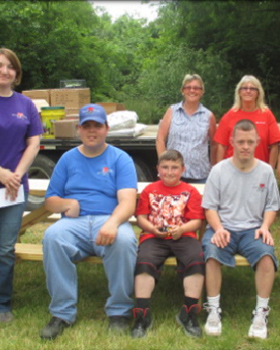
249	104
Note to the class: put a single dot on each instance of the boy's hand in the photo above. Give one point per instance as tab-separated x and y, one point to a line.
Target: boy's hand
159	232
175	232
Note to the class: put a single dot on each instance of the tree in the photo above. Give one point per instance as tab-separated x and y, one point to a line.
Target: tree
245	33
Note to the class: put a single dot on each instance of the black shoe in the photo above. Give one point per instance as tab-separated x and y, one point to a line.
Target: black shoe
54	328
119	323
143	321
187	318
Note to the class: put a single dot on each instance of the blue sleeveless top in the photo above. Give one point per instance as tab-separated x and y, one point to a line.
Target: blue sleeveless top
189	135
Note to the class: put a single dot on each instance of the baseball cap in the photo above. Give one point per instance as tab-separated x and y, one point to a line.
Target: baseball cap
92	112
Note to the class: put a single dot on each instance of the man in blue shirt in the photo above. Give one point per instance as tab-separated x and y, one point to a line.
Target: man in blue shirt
94	187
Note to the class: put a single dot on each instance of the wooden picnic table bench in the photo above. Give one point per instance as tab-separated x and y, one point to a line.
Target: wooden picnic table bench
34	252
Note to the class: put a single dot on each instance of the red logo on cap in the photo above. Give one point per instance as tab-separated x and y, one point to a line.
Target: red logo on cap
90	109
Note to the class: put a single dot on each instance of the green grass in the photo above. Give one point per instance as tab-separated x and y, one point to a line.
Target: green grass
90	331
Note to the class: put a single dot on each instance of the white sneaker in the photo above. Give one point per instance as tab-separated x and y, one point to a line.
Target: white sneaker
258	328
213	325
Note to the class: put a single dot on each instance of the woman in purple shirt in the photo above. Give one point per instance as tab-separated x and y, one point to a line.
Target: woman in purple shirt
20	129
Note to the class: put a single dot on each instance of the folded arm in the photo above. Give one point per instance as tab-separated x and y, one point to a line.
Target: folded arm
12	180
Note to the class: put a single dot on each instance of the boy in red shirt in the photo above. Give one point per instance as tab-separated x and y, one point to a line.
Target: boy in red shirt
169	213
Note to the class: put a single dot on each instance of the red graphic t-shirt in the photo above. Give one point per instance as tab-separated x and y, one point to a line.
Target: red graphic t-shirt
169	206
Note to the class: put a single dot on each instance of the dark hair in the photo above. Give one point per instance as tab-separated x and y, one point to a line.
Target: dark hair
244	125
171	154
12	57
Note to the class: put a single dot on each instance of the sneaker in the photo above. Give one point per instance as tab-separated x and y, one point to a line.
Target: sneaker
213	324
6	316
258	328
54	328
187	318
118	324
143	321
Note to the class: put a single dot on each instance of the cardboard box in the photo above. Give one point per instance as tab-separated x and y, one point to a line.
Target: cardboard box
111	107
39	104
70	98
72	115
72	112
38	94
66	129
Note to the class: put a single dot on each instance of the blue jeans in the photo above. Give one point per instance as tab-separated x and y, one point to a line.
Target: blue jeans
10	221
73	239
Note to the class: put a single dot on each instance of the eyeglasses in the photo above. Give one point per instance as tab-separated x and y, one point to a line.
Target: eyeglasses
244	88
189	88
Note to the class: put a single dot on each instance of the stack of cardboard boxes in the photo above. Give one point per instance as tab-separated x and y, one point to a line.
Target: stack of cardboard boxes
72	100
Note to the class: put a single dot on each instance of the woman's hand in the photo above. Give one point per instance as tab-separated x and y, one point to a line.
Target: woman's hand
11	181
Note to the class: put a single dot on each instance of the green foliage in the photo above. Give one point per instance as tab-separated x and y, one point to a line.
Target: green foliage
162	80
142	64
244	33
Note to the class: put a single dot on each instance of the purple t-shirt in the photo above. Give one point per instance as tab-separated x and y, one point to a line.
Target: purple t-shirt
19	120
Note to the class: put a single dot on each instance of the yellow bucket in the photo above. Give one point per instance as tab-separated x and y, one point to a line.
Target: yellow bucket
48	116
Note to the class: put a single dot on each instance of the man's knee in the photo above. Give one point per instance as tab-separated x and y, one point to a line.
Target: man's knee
53	236
51	233
266	264
213	263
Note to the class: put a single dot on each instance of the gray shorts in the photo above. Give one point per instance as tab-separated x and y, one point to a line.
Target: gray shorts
241	242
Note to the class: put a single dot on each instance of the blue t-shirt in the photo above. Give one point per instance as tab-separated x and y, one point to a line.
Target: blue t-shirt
19	120
94	182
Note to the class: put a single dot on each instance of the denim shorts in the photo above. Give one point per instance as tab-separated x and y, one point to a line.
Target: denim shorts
241	242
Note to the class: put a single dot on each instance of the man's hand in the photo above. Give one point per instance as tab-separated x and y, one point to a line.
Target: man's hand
73	210
266	235
221	238
107	234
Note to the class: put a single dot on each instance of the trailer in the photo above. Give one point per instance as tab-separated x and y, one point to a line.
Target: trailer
141	148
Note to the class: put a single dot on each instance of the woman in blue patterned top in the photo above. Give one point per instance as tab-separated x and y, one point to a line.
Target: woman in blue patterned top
189	128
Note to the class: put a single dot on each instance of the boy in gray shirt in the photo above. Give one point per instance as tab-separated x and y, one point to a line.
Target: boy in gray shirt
241	199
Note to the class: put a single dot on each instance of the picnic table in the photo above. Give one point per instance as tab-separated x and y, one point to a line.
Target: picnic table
38	187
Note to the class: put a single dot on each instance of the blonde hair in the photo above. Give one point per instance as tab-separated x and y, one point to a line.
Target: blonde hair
191	77
260	103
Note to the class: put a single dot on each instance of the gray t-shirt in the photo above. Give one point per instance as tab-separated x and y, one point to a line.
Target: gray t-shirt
241	198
